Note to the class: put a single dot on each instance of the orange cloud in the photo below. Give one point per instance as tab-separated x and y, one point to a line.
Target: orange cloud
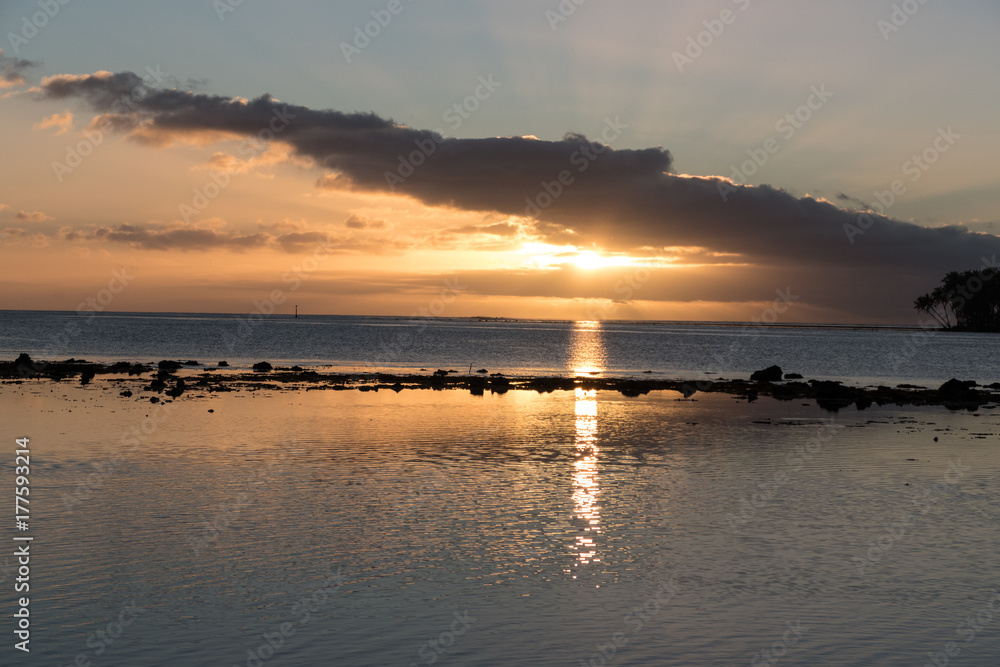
33	216
62	121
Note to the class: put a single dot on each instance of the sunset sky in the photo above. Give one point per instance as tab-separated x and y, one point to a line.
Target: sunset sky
711	155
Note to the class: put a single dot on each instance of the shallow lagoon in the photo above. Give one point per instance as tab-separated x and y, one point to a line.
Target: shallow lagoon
555	526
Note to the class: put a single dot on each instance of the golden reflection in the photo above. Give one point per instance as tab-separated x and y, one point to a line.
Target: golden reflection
586	353
586	482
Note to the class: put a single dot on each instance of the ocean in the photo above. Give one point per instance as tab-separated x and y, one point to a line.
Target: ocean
855	355
260	527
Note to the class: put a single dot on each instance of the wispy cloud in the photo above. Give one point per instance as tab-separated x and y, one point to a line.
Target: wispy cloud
12	70
180	236
32	216
63	122
361	222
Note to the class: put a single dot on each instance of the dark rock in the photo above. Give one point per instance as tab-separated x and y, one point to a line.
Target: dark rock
262	366
211	410
126	394
191	362
477	385
955	387
769	374
223	364
792	376
25	366
632	389
86	376
908	386
154	399
297	369
833	396
440	373
168	365
499	384
482	370
177	389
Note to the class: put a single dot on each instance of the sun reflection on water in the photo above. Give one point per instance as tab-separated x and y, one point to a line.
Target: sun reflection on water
587	354
586	481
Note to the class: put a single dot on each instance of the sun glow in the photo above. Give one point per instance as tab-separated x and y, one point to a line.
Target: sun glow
544	255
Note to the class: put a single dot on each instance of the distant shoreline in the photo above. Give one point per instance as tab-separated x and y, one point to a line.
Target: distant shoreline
173	380
509	320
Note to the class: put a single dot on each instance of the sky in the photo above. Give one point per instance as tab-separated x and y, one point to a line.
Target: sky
733	160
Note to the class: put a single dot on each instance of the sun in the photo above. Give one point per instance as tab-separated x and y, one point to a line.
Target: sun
588	259
546	256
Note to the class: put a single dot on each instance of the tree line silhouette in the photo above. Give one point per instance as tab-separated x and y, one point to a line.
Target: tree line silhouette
965	301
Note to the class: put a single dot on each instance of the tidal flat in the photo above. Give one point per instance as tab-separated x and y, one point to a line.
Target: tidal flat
576	526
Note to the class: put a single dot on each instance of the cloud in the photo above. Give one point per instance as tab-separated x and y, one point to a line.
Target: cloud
11	70
179	236
32	216
62	121
151	238
495	229
361	222
571	191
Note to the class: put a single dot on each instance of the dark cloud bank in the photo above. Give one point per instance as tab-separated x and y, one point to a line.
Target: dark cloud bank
623	200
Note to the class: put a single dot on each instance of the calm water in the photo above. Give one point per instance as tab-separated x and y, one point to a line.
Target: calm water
689	351
555	526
